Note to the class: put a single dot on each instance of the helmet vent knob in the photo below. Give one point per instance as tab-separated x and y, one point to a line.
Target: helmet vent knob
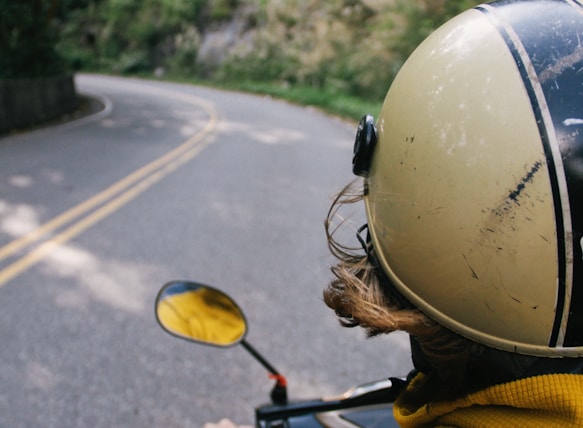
366	138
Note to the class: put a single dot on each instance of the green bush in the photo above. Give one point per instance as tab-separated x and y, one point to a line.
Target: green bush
27	39
132	35
222	9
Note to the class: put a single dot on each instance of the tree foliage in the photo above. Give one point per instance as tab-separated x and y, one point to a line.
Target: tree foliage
27	39
349	46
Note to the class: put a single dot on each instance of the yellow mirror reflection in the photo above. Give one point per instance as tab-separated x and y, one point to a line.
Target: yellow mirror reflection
197	312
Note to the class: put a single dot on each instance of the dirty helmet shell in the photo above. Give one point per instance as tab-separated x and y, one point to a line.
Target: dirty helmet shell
474	177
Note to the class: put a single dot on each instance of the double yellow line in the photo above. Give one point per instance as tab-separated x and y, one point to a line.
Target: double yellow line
103	204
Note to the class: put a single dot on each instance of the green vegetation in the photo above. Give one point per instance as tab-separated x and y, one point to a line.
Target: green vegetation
338	104
340	55
27	39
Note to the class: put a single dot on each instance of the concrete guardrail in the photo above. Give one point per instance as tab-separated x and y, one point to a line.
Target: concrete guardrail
27	102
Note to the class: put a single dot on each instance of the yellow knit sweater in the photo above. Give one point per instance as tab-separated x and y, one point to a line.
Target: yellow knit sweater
542	401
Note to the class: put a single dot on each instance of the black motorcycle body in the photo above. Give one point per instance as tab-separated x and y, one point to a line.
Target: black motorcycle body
368	405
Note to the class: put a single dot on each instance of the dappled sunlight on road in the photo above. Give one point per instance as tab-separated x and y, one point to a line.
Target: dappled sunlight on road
16	220
20	181
40	377
117	284
117	123
266	135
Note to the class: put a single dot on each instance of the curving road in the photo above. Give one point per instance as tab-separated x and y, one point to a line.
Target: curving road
170	181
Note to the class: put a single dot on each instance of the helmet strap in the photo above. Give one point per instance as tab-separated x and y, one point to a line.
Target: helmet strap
386	284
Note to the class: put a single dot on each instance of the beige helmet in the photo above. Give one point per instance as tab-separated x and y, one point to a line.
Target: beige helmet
474	177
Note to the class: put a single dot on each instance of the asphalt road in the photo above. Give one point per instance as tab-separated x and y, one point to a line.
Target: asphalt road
168	182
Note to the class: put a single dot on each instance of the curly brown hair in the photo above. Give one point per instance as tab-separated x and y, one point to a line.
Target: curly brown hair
357	293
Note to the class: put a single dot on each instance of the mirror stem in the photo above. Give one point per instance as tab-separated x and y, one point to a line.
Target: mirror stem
259	357
279	391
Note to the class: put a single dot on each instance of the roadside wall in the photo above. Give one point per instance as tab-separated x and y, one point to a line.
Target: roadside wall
28	102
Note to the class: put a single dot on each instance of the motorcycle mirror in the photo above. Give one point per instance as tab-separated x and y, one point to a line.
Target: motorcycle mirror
199	313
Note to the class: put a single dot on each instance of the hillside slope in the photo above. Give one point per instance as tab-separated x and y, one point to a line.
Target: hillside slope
350	46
